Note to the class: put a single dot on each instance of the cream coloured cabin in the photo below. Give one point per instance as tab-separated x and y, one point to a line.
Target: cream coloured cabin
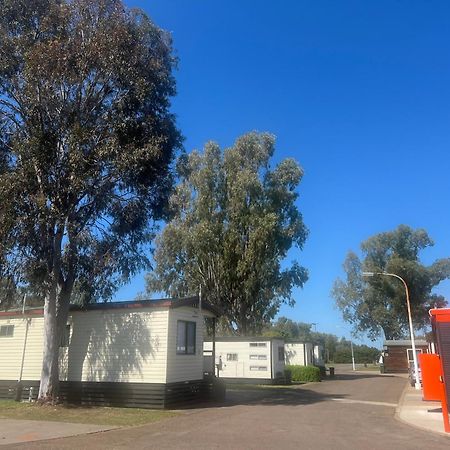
247	358
143	353
303	354
299	353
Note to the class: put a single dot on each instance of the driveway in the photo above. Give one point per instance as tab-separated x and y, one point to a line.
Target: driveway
352	411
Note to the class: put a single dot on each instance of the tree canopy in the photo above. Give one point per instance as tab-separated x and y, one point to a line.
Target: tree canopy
86	145
378	304
336	350
234	219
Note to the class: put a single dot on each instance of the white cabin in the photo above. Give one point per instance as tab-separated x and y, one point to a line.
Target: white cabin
303	354
140	353
247	358
299	353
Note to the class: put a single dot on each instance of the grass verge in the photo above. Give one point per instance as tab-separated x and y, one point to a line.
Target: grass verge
121	417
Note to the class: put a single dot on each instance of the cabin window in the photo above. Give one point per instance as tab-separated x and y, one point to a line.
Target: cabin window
258	368
258	344
65	337
410	353
232	356
260	357
186	333
280	353
6	331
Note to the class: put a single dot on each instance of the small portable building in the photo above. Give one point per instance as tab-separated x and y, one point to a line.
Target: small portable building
299	353
259	359
398	354
146	353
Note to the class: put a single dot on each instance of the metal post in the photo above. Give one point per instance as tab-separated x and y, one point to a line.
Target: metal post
353	356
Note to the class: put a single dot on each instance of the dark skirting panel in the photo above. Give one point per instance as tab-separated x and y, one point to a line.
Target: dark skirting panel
129	395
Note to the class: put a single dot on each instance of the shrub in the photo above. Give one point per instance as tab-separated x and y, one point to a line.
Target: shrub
304	373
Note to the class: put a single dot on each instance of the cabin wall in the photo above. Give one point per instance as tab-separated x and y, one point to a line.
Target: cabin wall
396	359
183	367
11	348
118	346
299	353
244	359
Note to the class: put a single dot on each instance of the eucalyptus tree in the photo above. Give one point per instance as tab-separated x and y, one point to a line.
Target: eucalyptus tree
378	304
234	219
86	146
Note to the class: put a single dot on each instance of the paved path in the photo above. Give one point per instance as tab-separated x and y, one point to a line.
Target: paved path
353	411
12	431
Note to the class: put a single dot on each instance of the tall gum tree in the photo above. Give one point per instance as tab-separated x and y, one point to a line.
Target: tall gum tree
234	219
86	146
378	304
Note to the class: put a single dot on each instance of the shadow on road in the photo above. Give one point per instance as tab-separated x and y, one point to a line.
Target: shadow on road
355	376
304	394
268	396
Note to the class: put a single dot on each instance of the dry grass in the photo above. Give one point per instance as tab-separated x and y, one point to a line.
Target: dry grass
81	414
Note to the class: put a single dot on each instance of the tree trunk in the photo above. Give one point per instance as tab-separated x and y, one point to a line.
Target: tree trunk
49	387
56	310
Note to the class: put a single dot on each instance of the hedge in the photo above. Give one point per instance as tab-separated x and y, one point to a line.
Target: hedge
304	373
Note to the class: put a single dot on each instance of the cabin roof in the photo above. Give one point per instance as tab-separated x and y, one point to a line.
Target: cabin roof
245	339
404	342
169	303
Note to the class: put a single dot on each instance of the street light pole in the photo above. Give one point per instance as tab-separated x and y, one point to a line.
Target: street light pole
353	356
411	330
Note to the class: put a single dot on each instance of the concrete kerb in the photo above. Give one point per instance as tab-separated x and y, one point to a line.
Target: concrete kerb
424	415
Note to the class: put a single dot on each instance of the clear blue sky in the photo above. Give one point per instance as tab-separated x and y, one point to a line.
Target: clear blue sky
358	92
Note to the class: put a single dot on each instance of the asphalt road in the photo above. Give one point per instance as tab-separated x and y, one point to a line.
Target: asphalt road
353	411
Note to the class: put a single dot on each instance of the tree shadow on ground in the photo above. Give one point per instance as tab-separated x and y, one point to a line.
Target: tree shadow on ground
355	376
268	396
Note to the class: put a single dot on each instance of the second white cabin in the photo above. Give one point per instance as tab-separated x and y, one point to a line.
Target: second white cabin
260	359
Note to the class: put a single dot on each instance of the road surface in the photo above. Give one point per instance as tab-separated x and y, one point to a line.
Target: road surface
352	411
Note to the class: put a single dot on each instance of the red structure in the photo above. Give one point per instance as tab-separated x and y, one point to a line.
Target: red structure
440	322
432	385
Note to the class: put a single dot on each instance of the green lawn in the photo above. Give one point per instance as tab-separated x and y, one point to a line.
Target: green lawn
10	409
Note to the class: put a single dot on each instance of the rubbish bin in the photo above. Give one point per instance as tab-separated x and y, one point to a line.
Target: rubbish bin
331	369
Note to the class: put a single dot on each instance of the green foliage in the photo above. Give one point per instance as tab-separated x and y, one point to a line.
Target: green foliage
304	373
233	222
288	329
378	303
86	142
336	350
363	354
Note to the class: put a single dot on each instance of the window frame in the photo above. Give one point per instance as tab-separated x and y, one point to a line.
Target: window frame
232	357
258	368
258	357
188	349
7	334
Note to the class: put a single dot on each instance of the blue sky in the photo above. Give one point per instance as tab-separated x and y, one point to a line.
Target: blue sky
358	92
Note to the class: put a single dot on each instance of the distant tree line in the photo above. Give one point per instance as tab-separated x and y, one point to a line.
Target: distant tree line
337	350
